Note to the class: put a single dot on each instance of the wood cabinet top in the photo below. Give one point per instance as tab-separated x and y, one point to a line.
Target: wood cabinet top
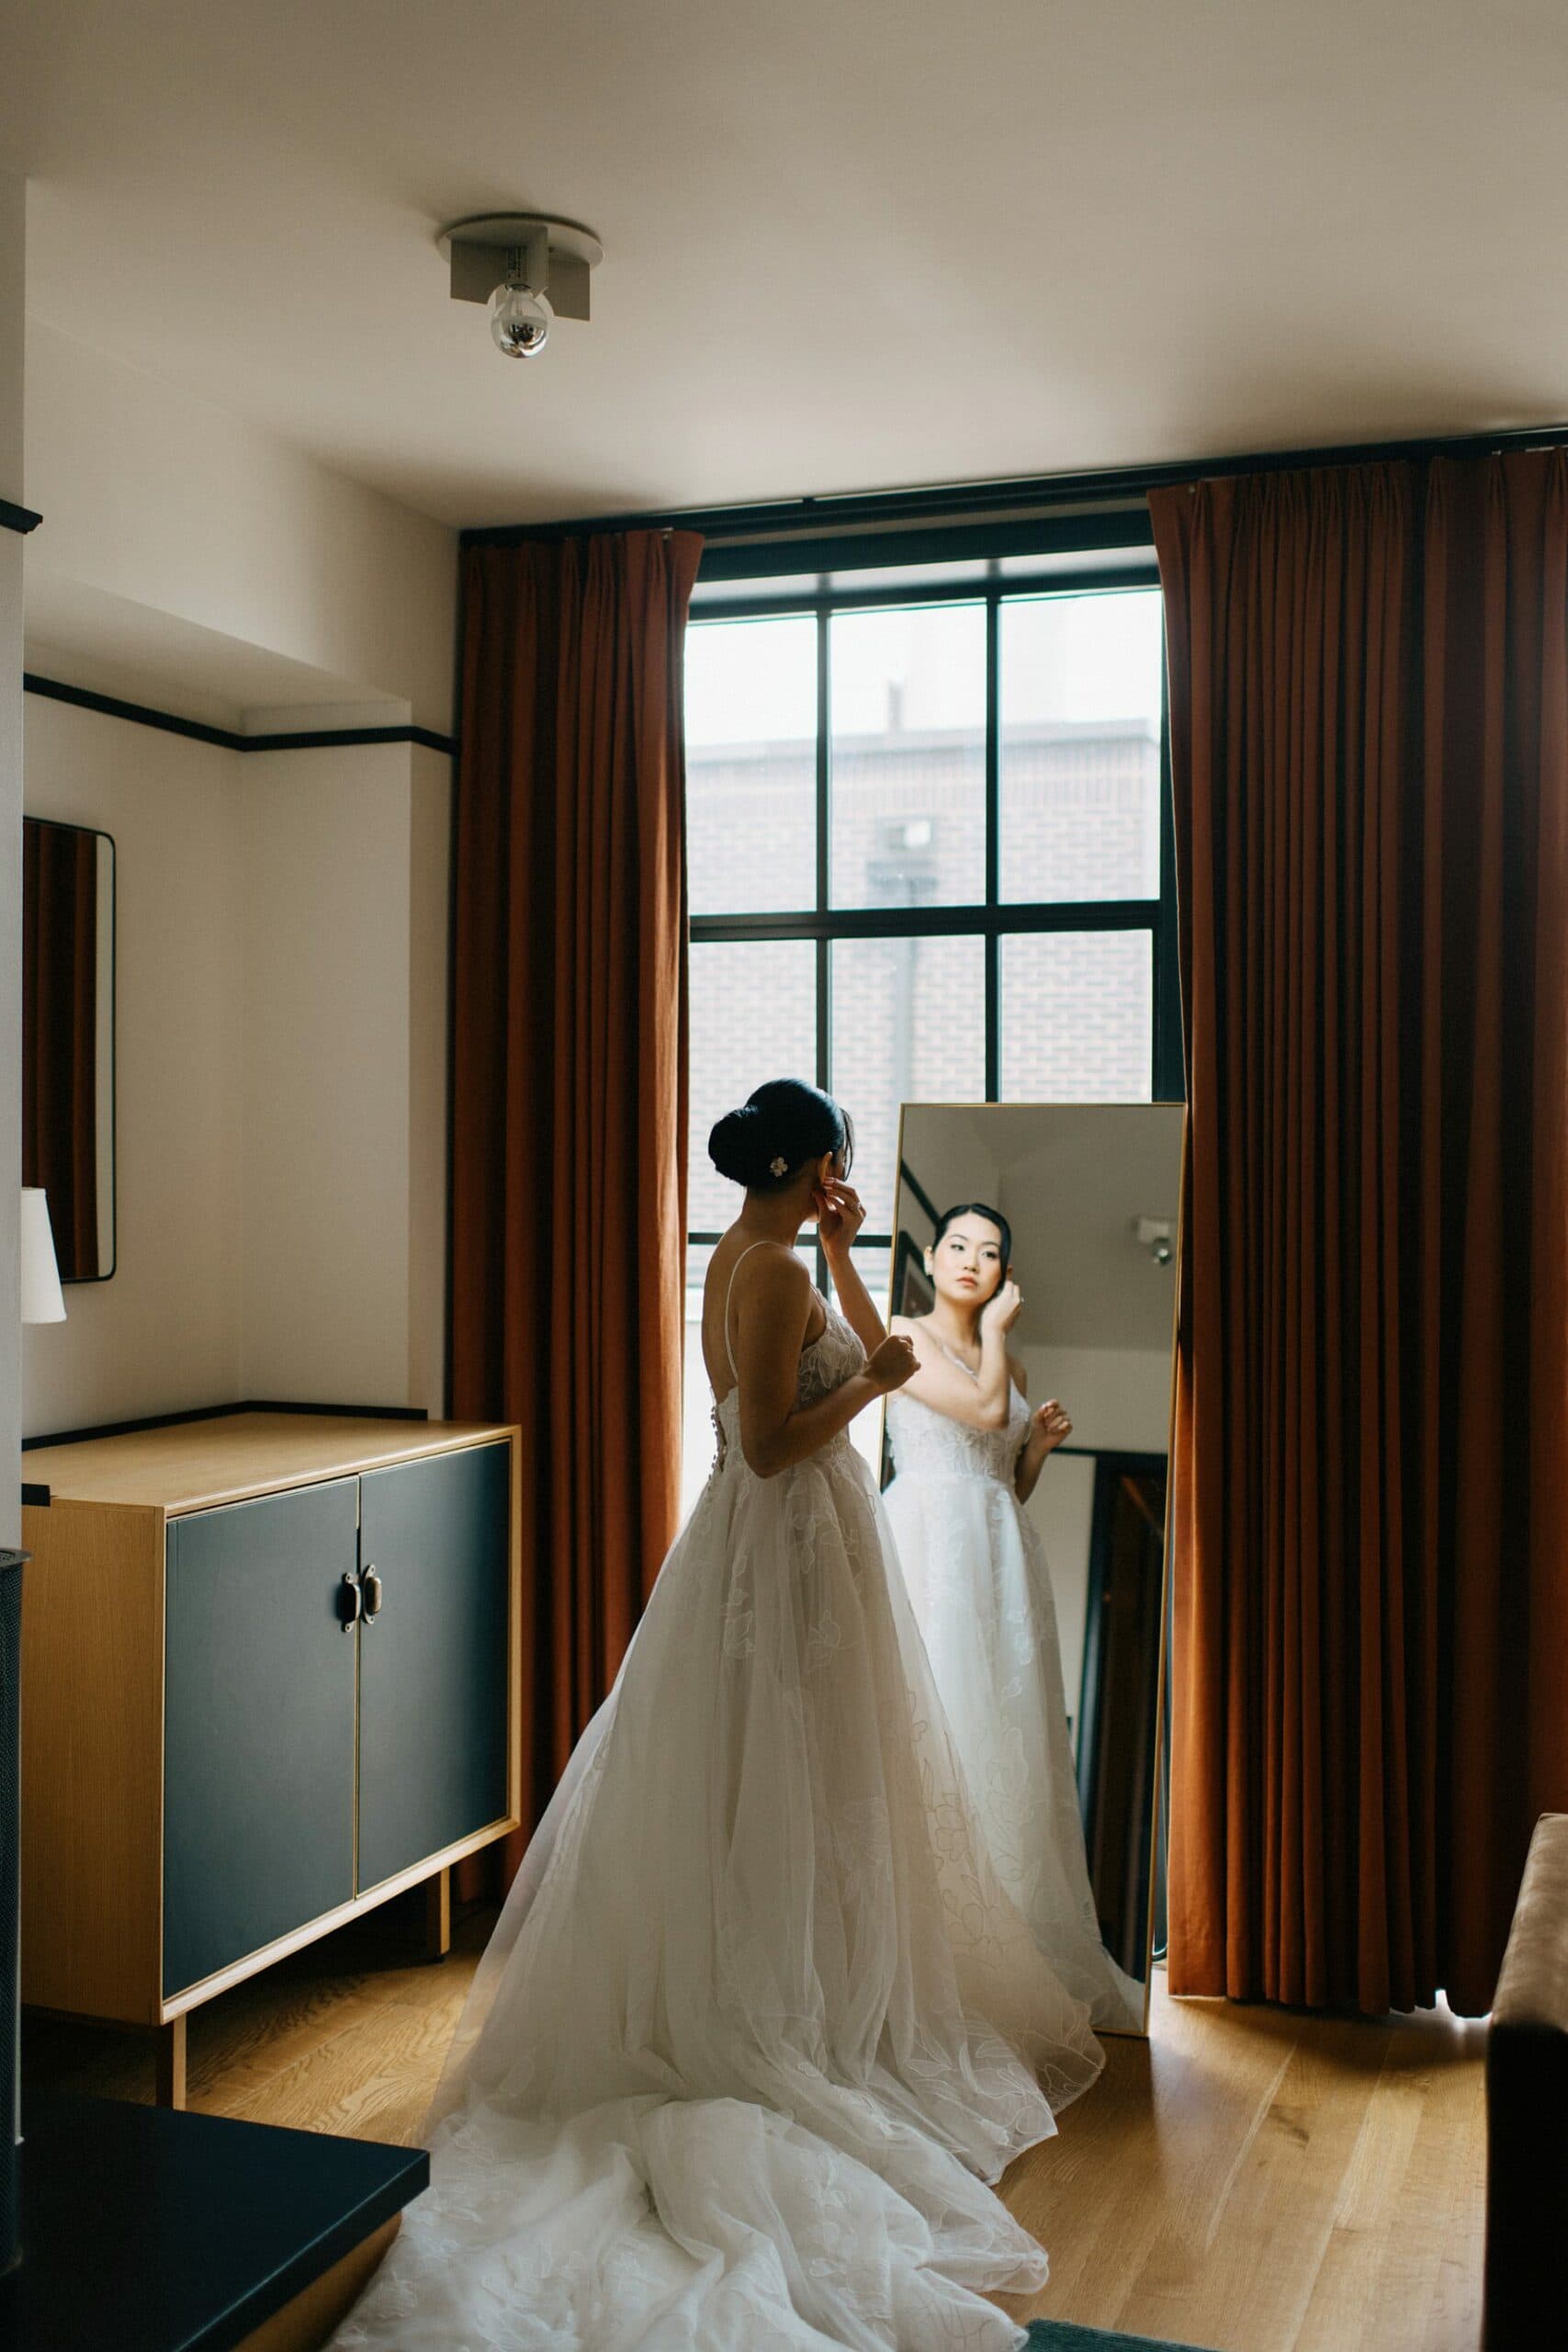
192	1465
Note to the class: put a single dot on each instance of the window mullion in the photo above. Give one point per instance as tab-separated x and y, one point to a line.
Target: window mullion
824	871
821	920
993	843
1169	1077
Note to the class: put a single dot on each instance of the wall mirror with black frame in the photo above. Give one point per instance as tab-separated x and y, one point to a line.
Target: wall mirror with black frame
68	1039
1054	1589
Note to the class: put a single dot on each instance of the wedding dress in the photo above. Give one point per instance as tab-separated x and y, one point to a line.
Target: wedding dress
976	1575
757	2023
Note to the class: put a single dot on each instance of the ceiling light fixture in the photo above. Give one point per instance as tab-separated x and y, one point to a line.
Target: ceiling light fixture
529	267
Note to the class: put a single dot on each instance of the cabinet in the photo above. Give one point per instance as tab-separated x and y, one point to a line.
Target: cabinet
433	1746
269	1681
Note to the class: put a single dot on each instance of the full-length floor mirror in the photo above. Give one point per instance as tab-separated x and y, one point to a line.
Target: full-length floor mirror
1086	1213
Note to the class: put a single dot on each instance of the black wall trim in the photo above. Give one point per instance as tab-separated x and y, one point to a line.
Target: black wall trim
866	510
139	713
932	923
17	518
321	739
222	1412
317	739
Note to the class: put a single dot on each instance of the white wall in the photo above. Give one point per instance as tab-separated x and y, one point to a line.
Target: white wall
1118	1397
12	234
1120	1400
281	950
343	1055
430	779
163	1331
282	916
155	498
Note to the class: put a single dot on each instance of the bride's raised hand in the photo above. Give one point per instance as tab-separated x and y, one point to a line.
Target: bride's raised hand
894	1363
1051	1427
1002	1309
840	1214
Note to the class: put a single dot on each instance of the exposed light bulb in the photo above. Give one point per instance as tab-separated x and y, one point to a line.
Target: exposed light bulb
519	321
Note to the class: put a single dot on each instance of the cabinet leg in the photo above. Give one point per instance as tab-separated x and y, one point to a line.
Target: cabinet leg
438	1915
171	2084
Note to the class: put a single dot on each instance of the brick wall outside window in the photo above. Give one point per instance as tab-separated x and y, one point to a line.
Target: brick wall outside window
1079	821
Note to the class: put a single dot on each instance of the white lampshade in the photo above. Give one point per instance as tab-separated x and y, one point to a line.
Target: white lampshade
42	1301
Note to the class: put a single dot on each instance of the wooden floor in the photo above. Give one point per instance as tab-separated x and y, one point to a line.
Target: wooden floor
1252	2180
1260	2180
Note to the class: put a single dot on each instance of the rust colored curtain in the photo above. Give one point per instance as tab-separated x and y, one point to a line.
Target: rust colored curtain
60	1034
1369	688
569	1180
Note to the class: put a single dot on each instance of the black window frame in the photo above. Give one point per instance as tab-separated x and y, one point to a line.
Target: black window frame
990	918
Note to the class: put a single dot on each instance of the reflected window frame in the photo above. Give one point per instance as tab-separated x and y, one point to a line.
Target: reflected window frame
1004	576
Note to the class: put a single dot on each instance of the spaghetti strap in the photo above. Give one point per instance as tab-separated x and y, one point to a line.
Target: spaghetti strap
729	1294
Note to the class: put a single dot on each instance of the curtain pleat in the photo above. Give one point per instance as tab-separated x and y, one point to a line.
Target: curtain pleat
1493	1017
1368	674
570	1025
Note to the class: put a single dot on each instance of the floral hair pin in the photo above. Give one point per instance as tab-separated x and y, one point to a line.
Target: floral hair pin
778	1167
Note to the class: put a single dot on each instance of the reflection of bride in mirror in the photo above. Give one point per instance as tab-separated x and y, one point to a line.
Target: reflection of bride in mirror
967	1453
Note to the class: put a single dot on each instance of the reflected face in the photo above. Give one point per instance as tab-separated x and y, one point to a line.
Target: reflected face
967	1263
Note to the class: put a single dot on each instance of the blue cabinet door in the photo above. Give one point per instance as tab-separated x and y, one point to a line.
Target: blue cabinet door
258	1726
432	1660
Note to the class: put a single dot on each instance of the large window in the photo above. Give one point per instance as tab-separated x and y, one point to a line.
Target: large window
930	855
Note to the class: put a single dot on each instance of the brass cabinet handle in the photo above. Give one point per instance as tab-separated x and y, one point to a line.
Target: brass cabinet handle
370	1586
351	1601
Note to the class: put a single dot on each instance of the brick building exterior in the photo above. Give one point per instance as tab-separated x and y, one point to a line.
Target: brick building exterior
1079	821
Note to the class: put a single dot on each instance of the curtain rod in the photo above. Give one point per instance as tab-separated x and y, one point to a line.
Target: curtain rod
861	510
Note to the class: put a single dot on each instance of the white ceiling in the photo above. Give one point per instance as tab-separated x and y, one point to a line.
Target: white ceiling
850	244
79	635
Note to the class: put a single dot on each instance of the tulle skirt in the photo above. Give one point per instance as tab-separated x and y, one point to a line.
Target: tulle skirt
978	1580
757	2024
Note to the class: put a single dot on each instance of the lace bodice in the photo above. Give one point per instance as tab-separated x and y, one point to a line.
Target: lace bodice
833	1357
927	1443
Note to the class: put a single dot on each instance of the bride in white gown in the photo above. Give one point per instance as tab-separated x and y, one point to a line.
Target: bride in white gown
968	1452
757	2024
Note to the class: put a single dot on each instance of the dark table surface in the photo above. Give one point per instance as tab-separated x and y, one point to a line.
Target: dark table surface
146	2229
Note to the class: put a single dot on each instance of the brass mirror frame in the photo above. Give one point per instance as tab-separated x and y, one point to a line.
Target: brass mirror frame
1158	1806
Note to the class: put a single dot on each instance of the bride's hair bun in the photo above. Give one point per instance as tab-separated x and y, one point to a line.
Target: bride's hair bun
733	1145
775	1131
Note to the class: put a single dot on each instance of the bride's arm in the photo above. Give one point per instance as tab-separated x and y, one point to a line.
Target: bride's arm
840	1215
980	1400
774	1303
860	1311
1048	1429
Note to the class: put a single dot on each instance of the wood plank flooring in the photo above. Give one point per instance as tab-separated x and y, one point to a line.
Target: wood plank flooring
1248	2179
1259	2180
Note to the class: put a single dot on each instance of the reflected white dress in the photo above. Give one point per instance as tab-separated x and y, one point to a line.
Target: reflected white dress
977	1578
757	2022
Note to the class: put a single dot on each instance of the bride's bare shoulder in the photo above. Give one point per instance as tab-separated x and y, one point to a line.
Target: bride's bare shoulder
764	1269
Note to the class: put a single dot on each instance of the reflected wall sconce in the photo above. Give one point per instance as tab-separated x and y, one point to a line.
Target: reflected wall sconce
1155	1235
530	268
